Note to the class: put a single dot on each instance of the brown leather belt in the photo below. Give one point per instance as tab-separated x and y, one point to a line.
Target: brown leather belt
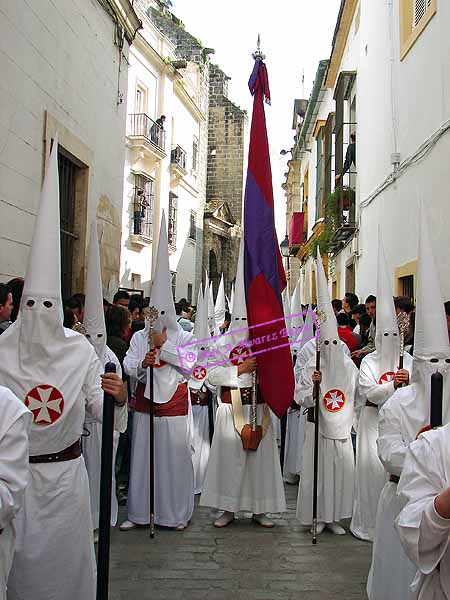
394	478
246	395
371	404
70	453
199	397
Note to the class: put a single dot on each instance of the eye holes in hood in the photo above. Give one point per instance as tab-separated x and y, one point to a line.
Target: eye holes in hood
30	302
47	304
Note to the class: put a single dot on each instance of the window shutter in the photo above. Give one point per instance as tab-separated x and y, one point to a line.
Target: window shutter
420	8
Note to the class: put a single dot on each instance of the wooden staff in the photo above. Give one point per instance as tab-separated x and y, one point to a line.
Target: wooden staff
321	317
105	492
151	316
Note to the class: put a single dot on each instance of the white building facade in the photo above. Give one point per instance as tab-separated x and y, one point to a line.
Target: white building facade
165	166
63	71
388	82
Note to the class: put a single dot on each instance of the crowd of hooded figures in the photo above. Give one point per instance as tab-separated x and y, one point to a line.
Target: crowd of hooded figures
394	484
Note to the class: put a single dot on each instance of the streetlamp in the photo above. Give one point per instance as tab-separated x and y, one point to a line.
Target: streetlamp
285	252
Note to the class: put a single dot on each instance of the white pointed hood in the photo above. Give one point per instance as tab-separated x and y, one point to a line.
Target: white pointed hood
431	341
296	321
208	297
94	315
307	332
231	301
219	308
339	374
387	341
286	303
161	295
204	341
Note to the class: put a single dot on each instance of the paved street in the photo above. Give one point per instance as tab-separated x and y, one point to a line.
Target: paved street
242	561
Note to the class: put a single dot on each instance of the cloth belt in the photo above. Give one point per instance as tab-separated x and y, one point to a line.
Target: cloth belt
199	397
70	453
310	415
371	404
394	478
177	406
246	395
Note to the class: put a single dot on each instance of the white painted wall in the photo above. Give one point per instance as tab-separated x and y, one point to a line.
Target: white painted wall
57	57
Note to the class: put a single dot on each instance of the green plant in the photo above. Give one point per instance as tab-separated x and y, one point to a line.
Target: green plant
324	241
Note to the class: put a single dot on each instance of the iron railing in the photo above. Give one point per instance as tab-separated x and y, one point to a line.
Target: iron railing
141	125
178	157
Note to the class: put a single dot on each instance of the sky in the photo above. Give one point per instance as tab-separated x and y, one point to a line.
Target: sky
295	36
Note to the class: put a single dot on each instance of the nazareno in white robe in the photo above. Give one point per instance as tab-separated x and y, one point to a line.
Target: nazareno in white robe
370	475
15	424
238	480
391	571
336	460
200	438
174	473
54	556
91	443
425	535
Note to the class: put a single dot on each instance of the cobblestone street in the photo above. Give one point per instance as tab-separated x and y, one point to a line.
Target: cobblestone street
240	562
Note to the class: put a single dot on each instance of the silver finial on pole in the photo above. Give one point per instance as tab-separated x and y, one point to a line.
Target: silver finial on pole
258	55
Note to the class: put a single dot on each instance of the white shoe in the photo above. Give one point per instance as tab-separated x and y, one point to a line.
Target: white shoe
127	525
226	518
336	528
263	521
319	528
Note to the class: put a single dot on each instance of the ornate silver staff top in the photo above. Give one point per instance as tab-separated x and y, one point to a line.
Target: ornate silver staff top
321	317
403	325
151	316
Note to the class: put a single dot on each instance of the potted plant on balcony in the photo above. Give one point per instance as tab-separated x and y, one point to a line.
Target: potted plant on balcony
348	196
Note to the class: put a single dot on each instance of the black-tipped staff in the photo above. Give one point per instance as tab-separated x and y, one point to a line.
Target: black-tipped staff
105	492
320	318
151	315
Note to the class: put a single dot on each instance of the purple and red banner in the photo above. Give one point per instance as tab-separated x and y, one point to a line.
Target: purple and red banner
263	267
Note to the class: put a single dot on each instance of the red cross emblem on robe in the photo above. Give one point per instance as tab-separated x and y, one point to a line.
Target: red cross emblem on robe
387	377
334	400
199	373
239	354
46	403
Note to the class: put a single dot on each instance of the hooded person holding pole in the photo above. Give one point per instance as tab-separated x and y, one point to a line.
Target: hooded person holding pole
171	352
401	419
94	325
335	464
57	374
380	375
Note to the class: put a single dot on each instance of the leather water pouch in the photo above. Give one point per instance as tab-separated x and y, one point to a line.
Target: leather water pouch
251	439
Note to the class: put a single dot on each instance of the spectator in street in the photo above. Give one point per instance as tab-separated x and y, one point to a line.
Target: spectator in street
409	342
16	288
371	310
357	311
134	306
364	327
121	298
403	304
75	306
349	301
185	323
106	305
6	306
337	305
346	334
224	327
117	321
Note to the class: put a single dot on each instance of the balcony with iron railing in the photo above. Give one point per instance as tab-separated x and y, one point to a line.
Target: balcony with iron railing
178	161
147	135
142	217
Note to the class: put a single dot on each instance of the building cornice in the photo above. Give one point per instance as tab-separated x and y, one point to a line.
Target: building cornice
187	100
343	25
127	18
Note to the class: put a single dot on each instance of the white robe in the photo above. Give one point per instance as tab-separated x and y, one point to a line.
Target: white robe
336	460
425	535
15	423
295	432
370	475
92	453
391	571
54	556
237	480
174	473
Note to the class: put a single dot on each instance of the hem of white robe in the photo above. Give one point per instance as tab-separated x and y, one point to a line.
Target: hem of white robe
160	522
236	505
362	534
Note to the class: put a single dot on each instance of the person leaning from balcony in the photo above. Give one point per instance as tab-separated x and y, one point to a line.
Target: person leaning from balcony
350	158
156	129
6	306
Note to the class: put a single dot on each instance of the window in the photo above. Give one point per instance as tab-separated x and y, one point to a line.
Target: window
195	154
319	175
193	227
406	277
173	277
406	286
414	17
67	188
141	99
172	220
350	277
189	293
143	198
